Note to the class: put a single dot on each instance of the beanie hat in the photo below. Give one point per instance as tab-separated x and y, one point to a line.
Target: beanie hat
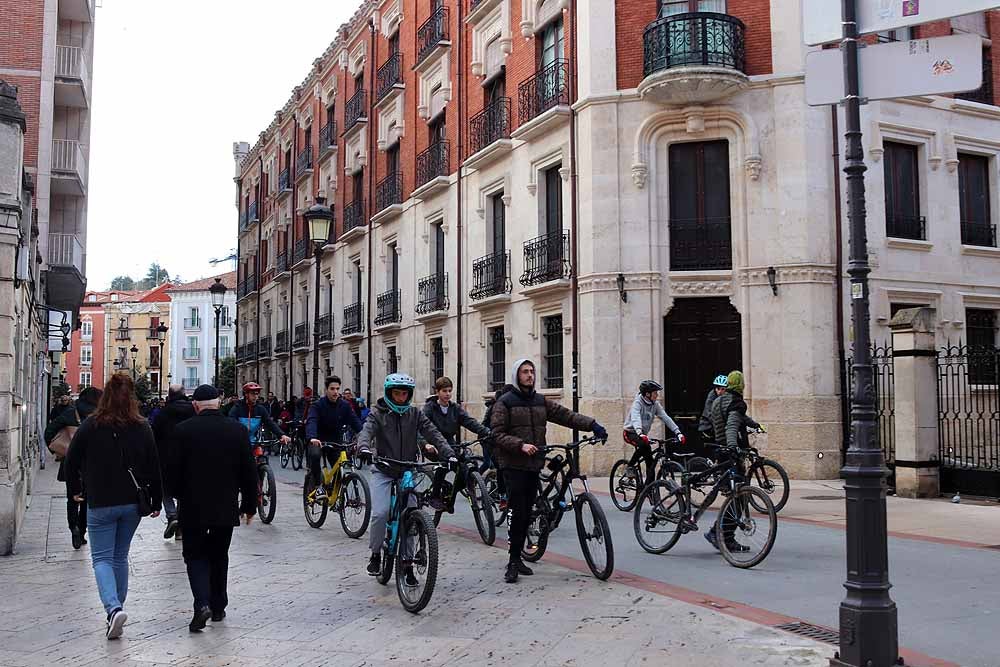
734	382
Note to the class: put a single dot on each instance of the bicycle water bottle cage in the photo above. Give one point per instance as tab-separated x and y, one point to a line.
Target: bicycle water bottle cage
555	463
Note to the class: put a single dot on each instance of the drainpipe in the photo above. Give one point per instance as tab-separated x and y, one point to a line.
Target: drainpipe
260	236
291	279
574	202
371	199
458	222
845	402
239	202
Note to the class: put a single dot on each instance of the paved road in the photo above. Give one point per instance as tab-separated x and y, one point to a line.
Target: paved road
946	594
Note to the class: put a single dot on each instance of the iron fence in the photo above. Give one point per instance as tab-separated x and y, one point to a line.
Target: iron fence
389	75
328	136
432	293
304	161
491	276
432	162
300	338
432	32
300	250
353	319
355	109
906	227
281	342
354	215
489	125
264	346
546	258
387	308
388	192
547	88
324	327
696	38
977	233
700	244
284	180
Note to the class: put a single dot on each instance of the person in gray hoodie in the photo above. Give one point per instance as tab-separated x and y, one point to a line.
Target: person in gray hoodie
645	408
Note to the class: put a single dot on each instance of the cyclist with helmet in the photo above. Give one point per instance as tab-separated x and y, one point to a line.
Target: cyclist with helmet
326	423
705	423
391	429
645	408
250	409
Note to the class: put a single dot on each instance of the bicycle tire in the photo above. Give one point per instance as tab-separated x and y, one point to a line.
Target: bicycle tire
385	574
420	520
298	454
738	506
437	517
268	502
537	539
314	520
482	508
624	479
499	515
769	482
284	455
602	535
363	496
669	505
670	469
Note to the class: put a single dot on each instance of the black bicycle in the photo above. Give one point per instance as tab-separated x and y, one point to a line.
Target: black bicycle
744	535
628	479
469	483
293	452
766	474
556	497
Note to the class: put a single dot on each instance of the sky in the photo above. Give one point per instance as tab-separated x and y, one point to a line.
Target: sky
175	84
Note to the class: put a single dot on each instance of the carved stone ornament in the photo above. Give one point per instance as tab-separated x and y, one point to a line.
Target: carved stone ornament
639	173
701	287
753	167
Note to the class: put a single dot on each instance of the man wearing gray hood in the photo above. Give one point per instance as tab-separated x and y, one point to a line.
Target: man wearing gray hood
518	424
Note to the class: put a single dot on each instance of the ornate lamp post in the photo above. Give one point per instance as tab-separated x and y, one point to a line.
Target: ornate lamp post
135	353
218	292
319	217
161	334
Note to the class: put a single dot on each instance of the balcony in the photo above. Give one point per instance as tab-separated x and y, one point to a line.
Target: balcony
250	350
300	253
191	354
69	168
491	277
264	347
356	110
152	334
546	259
304	163
190	384
693	58
243	221
246	287
324	326
300	338
906	227
983	94
432	296
432	169
388	198
432	35
701	244
80	11
389	78
281	342
353	321
65	279
282	268
327	139
978	234
224	353
192	323
489	134
388	310
72	83
543	101
284	182
241	354
354	220
122	334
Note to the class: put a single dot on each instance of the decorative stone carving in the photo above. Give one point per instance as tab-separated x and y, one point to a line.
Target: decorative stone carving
701	287
753	166
639	174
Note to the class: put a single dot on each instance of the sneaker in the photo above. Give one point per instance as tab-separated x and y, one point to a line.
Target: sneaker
200	619
736	548
409	578
374	565
77	538
523	569
171	529
712	539
218	615
116	623
510	576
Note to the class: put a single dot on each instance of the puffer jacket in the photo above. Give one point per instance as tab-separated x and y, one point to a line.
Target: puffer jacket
394	435
450	423
520	417
729	417
705	422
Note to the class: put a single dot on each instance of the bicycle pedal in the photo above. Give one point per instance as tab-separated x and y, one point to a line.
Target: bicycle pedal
688	527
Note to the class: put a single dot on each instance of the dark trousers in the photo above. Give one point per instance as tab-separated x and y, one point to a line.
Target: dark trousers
76	513
642	451
315	455
522	488
206	553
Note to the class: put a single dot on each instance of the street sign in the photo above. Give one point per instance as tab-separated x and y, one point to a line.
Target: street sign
821	19
935	66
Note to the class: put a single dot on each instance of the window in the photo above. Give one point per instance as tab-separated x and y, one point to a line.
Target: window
700	236
497	364
974	200
391	360
437	359
902	192
553	199
359	81
393	277
981	326
308	138
498	223
154	357
86	354
553	353
87	329
86	379
392	161
394	43
438	247
437	129
671	7
357	186
552	43
357	281
356	373
897	35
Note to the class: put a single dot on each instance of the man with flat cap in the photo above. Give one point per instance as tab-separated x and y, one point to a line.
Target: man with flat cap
211	466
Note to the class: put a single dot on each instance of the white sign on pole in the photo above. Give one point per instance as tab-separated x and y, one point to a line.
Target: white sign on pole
821	19
936	66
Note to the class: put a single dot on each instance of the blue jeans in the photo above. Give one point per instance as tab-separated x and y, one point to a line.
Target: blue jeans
111	530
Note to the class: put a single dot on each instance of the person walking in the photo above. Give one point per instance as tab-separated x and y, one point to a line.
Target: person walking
177	410
518	427
353	401
114	454
705	428
211	467
302	407
273	405
326	423
71	416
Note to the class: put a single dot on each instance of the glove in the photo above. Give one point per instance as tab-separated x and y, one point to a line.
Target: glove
761	429
681	439
599	431
644	438
365	456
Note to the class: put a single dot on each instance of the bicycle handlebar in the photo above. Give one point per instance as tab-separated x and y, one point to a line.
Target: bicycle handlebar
589	440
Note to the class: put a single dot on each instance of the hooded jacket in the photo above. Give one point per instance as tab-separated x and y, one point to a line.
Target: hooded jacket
395	435
520	416
729	418
451	421
640	417
327	420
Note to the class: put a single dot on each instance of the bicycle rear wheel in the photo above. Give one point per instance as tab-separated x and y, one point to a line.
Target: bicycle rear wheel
482	508
268	500
538	533
771	478
354	505
417	562
595	536
670	469
315	510
657	519
285	454
298	453
746	535
625	485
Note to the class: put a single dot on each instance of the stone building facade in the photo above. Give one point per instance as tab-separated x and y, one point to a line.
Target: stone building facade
193	335
132	340
618	190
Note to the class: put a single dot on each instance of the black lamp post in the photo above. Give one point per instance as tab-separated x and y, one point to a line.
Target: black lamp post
135	353
218	292
319	217
161	334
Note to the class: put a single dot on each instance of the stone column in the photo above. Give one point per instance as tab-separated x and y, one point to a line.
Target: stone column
916	409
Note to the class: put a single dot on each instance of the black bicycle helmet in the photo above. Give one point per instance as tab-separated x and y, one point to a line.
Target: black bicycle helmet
647	386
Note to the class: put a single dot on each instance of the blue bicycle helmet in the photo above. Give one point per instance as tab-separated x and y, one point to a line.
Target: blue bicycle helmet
398	381
721	381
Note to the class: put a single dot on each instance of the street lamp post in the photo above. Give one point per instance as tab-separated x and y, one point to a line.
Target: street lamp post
218	292
868	626
319	217
161	334
135	353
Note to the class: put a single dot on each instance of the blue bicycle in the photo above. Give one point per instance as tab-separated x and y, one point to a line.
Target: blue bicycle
411	543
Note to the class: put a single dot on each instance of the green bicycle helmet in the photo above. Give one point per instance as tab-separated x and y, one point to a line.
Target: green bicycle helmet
398	381
721	381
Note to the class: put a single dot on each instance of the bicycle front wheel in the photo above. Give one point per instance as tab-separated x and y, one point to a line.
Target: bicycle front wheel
285	456
482	508
354	505
493	487
658	516
670	469
625	485
298	453
746	535
595	536
771	478
538	533
417	562
315	510
268	501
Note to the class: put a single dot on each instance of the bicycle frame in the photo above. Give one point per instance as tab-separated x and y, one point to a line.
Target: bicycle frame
402	489
333	476
731	475
572	462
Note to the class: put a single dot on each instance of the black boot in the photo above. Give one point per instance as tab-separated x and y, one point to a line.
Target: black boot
374	564
510	576
200	619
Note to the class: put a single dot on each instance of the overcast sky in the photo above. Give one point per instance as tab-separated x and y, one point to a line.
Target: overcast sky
175	84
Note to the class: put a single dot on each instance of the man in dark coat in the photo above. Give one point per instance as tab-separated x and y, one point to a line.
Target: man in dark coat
178	409
326	422
273	405
211	465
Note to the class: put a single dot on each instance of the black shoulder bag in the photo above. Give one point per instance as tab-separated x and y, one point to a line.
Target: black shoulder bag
144	505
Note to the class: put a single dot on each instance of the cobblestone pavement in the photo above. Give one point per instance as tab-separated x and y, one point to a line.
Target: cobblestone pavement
299	597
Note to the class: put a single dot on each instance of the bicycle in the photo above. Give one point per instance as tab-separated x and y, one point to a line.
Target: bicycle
766	474
551	504
267	491
293	452
497	500
627	480
347	492
411	527
665	508
469	483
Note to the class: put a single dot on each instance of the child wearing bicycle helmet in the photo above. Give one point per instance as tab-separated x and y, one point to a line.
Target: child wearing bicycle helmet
705	423
391	429
645	408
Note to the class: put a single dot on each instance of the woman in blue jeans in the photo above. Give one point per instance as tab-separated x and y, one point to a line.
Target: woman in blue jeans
112	452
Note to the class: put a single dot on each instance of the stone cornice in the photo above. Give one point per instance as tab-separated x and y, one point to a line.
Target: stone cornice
789	274
608	282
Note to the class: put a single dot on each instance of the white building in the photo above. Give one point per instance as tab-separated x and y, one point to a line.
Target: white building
192	331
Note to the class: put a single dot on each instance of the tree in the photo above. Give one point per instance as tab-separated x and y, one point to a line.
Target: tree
123	283
142	390
227	376
155	275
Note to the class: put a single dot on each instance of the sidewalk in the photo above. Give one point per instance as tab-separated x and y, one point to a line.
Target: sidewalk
299	597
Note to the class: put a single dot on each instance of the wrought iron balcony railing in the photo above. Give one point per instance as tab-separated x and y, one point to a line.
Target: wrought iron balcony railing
432	162
241	354
389	75
301	335
546	258
432	293
192	322
243	220
152	334
704	243
355	109
252	213
491	276
281	342
707	39
190	384
546	89
284	180
432	32
192	353
324	326
489	125
354	215
387	308
388	192
976	233
300	250
304	161
264	346
281	262
328	136
906	227
122	334
353	319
